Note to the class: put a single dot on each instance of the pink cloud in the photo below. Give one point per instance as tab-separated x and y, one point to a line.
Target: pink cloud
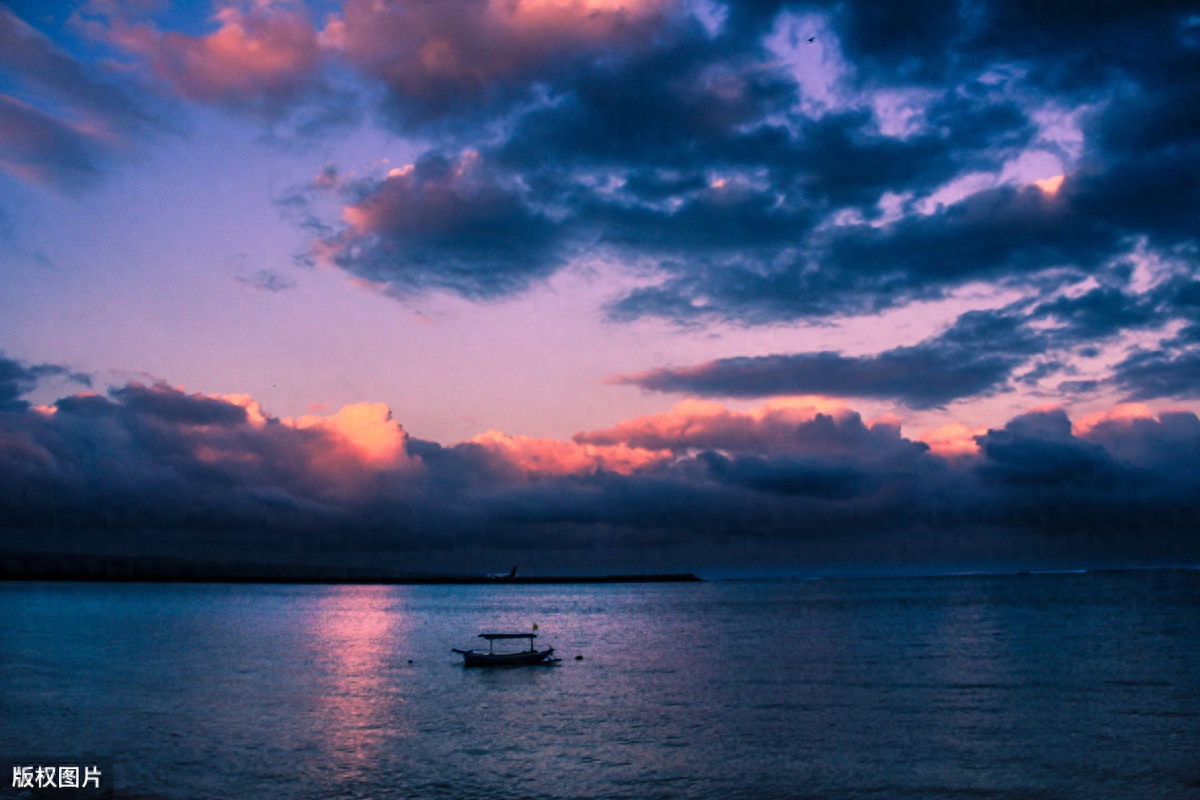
262	56
366	430
444	51
554	457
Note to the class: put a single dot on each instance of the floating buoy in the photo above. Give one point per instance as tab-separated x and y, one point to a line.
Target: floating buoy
579	658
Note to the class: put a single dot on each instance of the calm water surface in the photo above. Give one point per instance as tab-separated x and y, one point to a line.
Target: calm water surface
1050	686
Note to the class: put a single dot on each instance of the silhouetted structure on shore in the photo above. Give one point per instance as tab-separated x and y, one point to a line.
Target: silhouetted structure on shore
18	566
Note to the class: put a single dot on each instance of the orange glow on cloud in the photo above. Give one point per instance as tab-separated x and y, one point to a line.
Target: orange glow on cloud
889	420
391	204
555	457
358	217
1050	186
1043	408
254	410
367	429
1122	413
952	441
802	408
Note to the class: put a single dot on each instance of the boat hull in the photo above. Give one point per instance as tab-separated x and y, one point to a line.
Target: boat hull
528	658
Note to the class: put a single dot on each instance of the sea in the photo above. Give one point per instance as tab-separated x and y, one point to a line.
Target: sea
1080	685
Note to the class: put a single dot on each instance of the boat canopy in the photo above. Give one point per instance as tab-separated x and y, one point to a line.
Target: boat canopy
491	636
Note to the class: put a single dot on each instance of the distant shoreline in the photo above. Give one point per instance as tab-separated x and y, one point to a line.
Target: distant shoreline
17	566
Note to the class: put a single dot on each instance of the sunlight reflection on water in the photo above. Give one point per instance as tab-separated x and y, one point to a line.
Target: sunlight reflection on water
358	634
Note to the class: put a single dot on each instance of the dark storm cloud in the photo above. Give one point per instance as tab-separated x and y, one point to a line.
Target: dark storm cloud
17	379
1136	472
788	476
171	406
975	356
1172	370
446	224
981	353
748	183
1166	445
1148	375
692	146
1101	313
151	469
1038	449
689	153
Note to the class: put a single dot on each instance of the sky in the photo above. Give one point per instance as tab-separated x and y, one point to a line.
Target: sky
641	285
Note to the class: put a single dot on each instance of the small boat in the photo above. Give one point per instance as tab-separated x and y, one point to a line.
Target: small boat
523	658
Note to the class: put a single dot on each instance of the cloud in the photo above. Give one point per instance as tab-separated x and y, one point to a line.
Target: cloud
1147	375
39	149
917	154
475	58
693	156
263	58
984	352
1173	369
32	58
445	224
169	405
17	379
803	481
1038	449
366	429
552	457
268	280
744	174
1132	175
973	357
1164	443
782	425
63	125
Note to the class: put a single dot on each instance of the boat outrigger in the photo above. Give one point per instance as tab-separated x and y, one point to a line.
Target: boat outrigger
523	658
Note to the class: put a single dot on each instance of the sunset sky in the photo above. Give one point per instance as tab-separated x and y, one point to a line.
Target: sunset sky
602	284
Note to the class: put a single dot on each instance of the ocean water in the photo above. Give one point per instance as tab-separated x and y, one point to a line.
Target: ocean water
1020	686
